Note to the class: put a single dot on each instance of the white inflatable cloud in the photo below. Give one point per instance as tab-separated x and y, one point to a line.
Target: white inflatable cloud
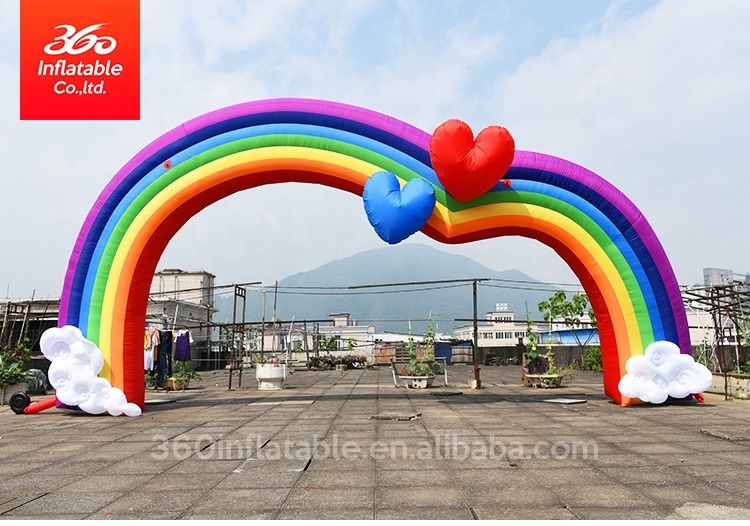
662	372
73	372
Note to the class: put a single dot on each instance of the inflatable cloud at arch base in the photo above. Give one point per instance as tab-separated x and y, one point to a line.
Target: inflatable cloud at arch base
662	372
450	185
75	363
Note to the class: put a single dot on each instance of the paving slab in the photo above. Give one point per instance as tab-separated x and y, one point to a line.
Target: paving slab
693	511
52	503
416	496
326	514
309	497
640	513
424	513
414	478
336	479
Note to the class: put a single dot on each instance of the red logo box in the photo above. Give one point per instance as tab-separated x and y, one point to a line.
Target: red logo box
80	60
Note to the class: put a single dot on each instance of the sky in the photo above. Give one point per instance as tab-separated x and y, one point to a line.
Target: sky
651	95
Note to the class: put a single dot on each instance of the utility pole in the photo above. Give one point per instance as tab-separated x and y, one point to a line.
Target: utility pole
263	328
307	348
477	381
274	321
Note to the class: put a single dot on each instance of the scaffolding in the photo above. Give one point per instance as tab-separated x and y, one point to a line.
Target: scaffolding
26	320
729	308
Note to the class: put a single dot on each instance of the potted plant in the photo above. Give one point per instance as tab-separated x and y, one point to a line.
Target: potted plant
325	362
420	372
344	362
538	370
182	373
552	377
13	373
271	374
152	380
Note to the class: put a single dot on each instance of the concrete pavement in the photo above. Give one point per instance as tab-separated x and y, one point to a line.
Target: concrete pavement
349	445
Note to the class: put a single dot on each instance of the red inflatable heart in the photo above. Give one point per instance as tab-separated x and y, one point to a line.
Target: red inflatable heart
468	167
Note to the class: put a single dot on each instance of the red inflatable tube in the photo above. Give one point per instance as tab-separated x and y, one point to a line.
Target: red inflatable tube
40	406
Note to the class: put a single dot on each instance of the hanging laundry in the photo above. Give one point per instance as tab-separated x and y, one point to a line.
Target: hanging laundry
164	357
150	344
182	345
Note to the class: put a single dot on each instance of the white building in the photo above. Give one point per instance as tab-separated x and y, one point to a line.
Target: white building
717	276
347	334
713	277
500	328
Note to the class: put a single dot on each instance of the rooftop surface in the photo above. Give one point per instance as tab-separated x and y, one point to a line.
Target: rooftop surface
350	445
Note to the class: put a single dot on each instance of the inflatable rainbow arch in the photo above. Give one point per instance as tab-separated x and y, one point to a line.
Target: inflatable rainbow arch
599	233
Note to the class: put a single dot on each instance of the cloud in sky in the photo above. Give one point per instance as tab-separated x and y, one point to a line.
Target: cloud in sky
650	95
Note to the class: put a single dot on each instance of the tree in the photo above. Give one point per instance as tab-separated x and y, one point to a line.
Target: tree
534	362
570	312
328	344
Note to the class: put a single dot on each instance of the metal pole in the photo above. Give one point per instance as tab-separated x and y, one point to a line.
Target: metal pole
274	321
316	339
212	364
234	331
307	347
477	381
241	292
263	328
5	320
26	317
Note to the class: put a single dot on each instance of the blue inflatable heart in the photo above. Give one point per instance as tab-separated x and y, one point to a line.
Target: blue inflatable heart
395	213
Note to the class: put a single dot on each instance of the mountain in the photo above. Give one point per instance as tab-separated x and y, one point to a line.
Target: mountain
335	288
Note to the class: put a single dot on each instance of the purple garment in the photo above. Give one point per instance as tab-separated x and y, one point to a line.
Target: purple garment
182	347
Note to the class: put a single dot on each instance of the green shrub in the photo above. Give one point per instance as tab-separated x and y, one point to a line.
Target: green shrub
13	373
591	361
183	371
13	365
328	361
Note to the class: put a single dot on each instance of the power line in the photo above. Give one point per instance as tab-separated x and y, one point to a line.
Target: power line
571	285
363	289
369	293
533	289
407	283
202	289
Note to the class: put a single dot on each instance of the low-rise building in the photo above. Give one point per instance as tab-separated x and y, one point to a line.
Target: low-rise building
500	328
182	300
